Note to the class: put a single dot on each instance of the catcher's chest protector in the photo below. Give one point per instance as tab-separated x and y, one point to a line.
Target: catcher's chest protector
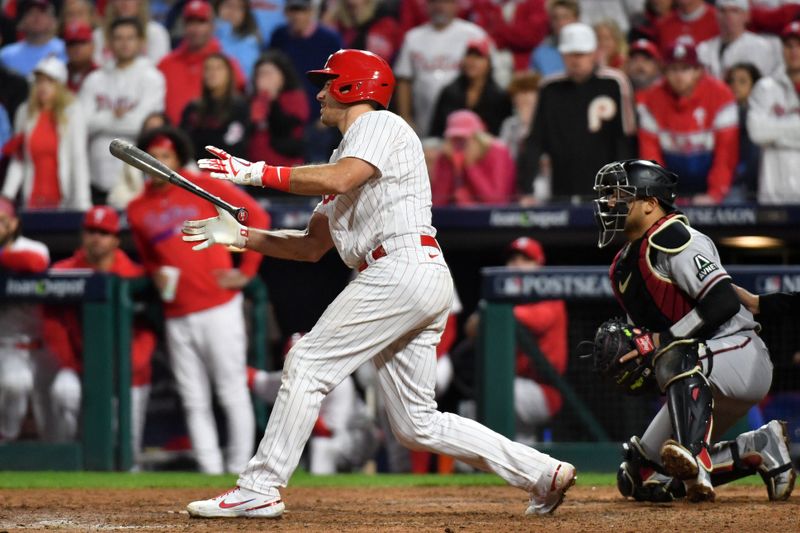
651	300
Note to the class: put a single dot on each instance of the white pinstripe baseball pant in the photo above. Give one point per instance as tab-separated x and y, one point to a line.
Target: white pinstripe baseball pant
392	313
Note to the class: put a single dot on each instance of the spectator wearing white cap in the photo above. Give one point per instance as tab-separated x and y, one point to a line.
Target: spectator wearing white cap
49	164
584	118
774	124
735	44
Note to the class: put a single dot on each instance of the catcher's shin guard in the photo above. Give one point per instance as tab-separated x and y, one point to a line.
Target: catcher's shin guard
690	405
644	480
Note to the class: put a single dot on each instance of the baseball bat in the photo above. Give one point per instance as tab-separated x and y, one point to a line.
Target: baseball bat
127	152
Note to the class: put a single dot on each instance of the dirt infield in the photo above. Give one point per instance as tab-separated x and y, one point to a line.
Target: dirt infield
419	509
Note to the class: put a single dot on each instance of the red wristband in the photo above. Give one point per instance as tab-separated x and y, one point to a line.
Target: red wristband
277	178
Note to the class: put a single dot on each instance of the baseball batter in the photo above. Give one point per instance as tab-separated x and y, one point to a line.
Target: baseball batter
376	211
668	278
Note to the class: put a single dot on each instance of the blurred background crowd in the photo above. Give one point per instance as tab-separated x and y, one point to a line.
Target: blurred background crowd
517	102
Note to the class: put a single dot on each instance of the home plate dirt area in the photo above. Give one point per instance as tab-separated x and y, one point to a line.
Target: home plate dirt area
444	509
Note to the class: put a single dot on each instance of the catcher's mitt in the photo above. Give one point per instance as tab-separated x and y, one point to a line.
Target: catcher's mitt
613	339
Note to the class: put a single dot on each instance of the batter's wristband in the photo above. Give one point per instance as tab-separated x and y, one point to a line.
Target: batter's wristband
278	178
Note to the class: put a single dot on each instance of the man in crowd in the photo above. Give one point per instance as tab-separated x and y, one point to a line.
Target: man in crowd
202	298
80	50
689	123
63	329
774	124
643	66
545	58
430	59
696	19
37	24
583	119
735	44
20	327
117	98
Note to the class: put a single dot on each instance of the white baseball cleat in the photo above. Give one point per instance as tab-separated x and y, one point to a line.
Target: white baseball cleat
564	477
771	442
700	489
238	502
678	461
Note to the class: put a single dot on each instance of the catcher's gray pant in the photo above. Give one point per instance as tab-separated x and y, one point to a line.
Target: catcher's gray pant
393	313
740	377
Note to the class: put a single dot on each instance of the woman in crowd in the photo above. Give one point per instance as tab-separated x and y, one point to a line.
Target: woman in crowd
237	32
524	92
611	44
741	78
366	25
474	89
157	43
49	162
219	116
278	111
474	167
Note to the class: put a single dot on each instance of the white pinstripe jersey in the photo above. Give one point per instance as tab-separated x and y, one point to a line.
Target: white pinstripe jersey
394	202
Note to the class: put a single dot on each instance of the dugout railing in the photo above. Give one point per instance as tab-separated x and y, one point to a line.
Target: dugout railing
595	417
106	304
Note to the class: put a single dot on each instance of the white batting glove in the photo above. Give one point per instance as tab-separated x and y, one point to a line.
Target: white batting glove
222	229
227	167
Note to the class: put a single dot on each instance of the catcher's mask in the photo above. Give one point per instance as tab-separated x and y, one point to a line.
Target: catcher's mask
620	183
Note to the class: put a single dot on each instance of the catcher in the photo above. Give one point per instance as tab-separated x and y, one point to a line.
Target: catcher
692	339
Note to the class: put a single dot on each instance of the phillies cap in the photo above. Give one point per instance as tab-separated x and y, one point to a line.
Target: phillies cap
53	68
528	247
479	46
682	52
197	10
791	30
740	4
577	38
463	123
78	32
643	46
103	218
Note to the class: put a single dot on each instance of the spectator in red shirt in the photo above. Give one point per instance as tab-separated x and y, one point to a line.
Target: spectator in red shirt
183	67
202	300
611	45
63	330
644	24
689	124
694	18
80	49
514	25
474	167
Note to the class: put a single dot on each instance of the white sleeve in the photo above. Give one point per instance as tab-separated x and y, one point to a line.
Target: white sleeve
158	44
152	100
97	120
372	138
697	268
80	196
764	127
403	68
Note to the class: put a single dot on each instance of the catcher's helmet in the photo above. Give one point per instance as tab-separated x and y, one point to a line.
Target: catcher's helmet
358	76
625	180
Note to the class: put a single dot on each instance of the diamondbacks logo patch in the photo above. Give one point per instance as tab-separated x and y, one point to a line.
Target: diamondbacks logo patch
704	266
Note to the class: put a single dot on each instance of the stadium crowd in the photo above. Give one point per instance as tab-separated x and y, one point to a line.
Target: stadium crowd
517	101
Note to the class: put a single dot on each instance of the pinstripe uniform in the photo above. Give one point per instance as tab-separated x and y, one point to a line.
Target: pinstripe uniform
393	314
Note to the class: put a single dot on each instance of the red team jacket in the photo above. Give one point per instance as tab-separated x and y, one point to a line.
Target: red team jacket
672	26
695	136
63	332
547	321
156	218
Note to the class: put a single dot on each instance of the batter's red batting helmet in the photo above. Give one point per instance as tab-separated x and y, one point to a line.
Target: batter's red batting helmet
358	76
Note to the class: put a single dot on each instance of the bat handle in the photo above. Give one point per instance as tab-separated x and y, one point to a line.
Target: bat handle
241	215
